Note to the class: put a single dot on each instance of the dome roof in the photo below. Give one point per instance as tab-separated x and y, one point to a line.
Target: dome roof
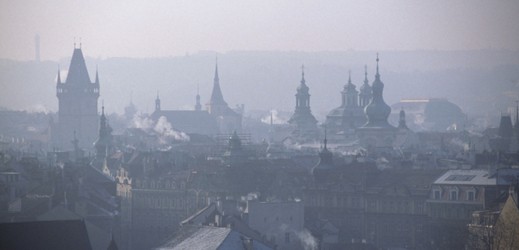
377	111
431	114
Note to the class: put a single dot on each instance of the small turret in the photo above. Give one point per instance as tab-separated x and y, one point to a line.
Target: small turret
58	82
365	90
198	106
157	103
401	122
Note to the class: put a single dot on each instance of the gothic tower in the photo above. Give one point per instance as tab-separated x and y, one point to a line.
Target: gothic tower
227	119
77	111
216	105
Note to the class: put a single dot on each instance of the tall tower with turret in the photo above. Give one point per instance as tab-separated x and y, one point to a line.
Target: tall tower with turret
377	133
227	119
365	90
77	97
305	124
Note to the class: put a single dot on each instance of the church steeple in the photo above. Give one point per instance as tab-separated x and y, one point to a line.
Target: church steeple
365	90
349	94
377	111
302	118
216	95
104	140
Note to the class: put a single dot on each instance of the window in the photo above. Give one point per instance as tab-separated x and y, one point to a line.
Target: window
437	195
454	195
471	195
287	238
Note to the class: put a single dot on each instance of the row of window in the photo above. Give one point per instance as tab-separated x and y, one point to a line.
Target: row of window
454	195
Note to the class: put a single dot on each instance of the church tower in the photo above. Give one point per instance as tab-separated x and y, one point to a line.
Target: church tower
103	143
227	119
77	98
303	120
377	134
365	90
216	105
377	111
350	94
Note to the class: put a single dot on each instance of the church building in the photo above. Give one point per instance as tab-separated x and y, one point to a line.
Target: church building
303	122
217	119
342	121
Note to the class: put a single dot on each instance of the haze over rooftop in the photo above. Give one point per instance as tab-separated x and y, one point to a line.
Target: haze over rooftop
170	28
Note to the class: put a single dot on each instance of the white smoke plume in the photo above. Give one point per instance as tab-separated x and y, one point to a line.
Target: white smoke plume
142	122
276	118
163	128
308	241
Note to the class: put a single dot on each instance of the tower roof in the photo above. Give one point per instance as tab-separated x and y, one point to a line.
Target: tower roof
365	88
302	86
377	111
77	72
349	86
216	95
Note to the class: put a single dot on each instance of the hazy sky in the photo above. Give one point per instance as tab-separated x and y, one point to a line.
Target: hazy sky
169	28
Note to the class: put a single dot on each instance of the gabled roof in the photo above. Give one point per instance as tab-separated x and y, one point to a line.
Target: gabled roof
210	238
64	234
466	177
77	72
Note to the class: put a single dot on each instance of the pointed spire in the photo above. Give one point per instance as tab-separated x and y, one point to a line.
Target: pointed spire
366	74
349	77
216	78
377	75
302	73
59	76
216	95
97	75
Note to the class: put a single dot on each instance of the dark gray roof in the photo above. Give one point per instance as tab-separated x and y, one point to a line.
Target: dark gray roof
68	234
77	72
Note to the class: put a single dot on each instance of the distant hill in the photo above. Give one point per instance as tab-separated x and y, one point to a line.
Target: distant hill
482	81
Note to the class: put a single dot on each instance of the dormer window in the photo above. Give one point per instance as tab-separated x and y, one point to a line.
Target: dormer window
453	194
